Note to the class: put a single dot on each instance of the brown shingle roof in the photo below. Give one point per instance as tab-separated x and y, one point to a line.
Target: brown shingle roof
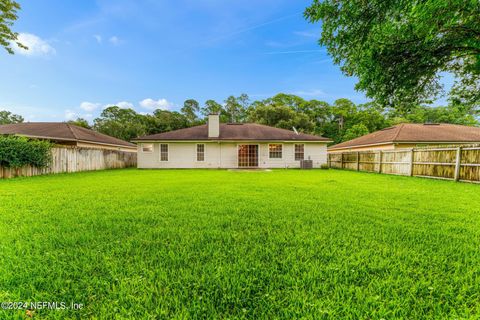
244	131
416	133
61	131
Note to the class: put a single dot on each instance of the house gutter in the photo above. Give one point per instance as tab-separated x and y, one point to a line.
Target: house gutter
74	140
231	141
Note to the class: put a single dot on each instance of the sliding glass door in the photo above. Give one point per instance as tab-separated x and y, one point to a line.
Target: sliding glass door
248	156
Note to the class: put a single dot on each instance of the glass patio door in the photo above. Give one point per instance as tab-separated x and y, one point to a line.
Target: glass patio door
248	156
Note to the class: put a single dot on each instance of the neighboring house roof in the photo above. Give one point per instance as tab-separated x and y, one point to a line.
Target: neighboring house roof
416	133
61	131
234	131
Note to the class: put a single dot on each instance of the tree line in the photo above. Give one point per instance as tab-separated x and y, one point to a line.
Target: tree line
340	121
397	50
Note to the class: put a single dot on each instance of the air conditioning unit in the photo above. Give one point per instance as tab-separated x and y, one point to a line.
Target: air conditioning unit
306	164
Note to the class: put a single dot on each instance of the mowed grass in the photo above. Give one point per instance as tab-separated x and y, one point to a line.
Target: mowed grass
153	244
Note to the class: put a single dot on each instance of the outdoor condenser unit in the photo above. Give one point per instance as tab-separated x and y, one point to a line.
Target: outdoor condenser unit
306	164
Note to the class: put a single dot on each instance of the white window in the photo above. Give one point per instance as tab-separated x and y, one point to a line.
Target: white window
299	151
147	147
275	151
200	152
163	152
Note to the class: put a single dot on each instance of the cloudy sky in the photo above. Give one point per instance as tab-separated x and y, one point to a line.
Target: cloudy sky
148	54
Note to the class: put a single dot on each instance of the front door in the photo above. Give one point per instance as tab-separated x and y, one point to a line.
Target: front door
248	156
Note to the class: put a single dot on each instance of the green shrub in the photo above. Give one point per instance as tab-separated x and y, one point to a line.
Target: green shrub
16	152
324	166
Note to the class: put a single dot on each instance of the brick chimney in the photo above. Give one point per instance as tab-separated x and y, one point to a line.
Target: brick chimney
213	125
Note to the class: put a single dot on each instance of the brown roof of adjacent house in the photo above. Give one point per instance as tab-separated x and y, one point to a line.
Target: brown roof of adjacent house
61	131
416	133
243	131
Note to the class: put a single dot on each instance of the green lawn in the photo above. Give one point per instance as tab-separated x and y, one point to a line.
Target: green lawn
151	244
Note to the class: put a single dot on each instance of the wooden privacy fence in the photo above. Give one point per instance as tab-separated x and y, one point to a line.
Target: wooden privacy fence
453	163
75	160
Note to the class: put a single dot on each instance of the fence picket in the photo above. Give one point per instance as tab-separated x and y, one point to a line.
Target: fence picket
75	160
452	163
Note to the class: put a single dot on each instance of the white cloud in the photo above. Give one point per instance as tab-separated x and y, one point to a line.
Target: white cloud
89	106
125	105
98	38
70	115
121	105
151	104
36	46
92	106
115	40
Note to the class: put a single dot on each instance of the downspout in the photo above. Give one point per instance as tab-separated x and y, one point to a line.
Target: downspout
220	156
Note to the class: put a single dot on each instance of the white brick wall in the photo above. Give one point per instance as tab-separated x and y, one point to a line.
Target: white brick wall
224	155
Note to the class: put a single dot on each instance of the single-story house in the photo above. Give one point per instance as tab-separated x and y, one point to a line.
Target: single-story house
67	134
411	135
232	145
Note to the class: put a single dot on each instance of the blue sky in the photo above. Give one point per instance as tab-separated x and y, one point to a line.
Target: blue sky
147	54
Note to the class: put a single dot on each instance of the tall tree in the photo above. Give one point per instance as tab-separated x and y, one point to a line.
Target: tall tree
342	109
355	131
190	109
372	115
442	114
236	108
81	123
211	106
244	102
397	49
320	112
164	120
280	116
290	100
340	121
121	123
6	117
8	15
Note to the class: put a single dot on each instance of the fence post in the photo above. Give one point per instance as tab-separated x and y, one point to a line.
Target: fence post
380	161
342	162
358	161
458	162
329	163
412	151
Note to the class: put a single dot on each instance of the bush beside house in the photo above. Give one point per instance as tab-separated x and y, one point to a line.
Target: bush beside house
16	152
